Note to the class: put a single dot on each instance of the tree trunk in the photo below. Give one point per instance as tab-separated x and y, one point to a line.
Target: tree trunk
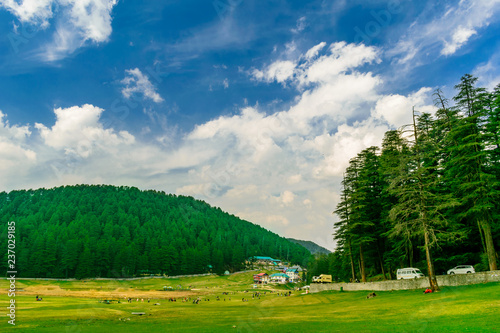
432	278
490	247
353	271
362	264
483	243
410	254
423	215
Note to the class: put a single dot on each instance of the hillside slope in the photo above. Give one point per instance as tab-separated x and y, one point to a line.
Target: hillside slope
91	231
311	246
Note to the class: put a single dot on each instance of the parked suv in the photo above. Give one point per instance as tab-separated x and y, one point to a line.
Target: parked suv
462	269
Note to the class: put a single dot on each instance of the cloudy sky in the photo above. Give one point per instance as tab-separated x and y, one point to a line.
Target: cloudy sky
253	106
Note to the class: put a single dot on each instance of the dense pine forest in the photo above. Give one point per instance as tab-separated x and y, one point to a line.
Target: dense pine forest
106	231
428	198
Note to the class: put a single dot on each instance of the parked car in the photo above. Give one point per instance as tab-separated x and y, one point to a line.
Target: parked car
462	269
409	273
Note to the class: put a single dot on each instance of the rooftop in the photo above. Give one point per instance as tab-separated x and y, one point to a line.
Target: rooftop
264	258
279	274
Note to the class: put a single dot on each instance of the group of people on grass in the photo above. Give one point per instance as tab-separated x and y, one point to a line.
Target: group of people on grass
129	300
255	295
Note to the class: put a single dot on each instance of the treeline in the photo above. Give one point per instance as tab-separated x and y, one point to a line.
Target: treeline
429	197
106	231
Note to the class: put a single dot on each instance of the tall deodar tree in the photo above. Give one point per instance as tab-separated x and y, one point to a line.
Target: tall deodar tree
418	212
469	166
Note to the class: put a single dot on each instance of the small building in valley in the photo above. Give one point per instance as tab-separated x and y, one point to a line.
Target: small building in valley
261	278
294	274
279	278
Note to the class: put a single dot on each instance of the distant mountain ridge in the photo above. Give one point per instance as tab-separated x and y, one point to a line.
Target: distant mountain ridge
311	246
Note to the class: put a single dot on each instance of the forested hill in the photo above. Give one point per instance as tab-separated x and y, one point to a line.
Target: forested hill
106	231
311	246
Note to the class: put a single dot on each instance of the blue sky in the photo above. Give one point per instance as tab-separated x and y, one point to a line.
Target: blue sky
255	107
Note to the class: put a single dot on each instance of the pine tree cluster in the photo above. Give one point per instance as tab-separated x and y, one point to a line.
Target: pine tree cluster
429	198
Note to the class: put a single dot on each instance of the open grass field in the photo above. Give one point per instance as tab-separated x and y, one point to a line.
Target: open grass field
72	306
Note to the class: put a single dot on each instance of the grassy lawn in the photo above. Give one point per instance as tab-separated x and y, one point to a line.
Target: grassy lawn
455	309
240	280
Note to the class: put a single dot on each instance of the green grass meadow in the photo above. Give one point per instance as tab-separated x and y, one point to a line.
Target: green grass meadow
473	308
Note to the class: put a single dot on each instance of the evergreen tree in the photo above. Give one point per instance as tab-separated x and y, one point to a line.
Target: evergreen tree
394	151
360	211
419	207
85	266
475	186
342	233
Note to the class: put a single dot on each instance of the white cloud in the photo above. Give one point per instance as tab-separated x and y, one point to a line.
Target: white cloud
459	38
77	131
78	149
448	29
15	154
294	179
341	58
300	26
12	133
277	219
286	198
279	71
488	73
91	18
137	83
243	191
336	150
37	12
313	51
77	22
397	109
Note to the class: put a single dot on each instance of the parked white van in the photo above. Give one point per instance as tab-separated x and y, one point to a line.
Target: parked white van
409	273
